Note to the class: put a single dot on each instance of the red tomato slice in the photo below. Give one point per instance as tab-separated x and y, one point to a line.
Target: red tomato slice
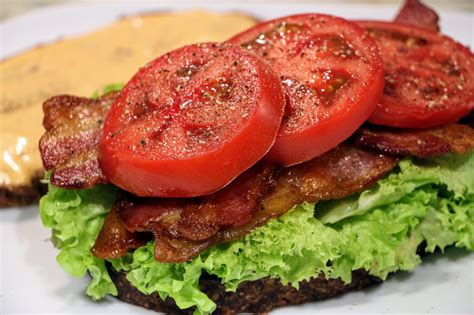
191	121
429	78
332	76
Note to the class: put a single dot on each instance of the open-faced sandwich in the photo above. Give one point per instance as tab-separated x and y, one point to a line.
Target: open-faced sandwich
305	157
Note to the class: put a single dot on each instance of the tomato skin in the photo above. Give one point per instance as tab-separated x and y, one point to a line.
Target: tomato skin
417	66
328	133
207	171
390	113
310	141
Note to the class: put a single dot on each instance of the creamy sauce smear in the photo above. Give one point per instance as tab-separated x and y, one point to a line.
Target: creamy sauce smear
83	65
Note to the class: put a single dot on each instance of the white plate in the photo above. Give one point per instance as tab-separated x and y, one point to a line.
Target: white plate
32	281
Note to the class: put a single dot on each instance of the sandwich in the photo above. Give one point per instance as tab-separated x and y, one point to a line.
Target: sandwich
305	157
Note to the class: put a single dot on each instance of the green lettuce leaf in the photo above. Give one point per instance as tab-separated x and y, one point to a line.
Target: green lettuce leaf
112	87
378	230
76	217
452	171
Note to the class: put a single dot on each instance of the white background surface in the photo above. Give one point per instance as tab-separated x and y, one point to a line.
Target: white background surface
31	280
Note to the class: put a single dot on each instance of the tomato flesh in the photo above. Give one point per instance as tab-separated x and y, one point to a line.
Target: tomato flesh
191	121
332	76
429	78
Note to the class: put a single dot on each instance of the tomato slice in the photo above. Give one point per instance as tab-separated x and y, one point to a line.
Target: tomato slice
429	78
332	76
191	121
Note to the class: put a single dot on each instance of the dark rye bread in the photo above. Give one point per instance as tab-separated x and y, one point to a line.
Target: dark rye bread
23	195
251	296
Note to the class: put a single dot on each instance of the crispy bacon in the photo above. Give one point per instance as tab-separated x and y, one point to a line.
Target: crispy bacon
341	172
185	227
192	222
117	244
416	13
421	143
69	147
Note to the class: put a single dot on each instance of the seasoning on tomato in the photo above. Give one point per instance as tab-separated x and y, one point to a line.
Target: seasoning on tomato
332	76
429	78
191	121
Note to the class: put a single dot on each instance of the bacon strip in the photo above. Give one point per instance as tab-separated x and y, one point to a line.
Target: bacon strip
421	143
183	228
416	13
118	243
69	148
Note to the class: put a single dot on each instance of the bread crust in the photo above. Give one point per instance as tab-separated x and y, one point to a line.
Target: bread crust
251	296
